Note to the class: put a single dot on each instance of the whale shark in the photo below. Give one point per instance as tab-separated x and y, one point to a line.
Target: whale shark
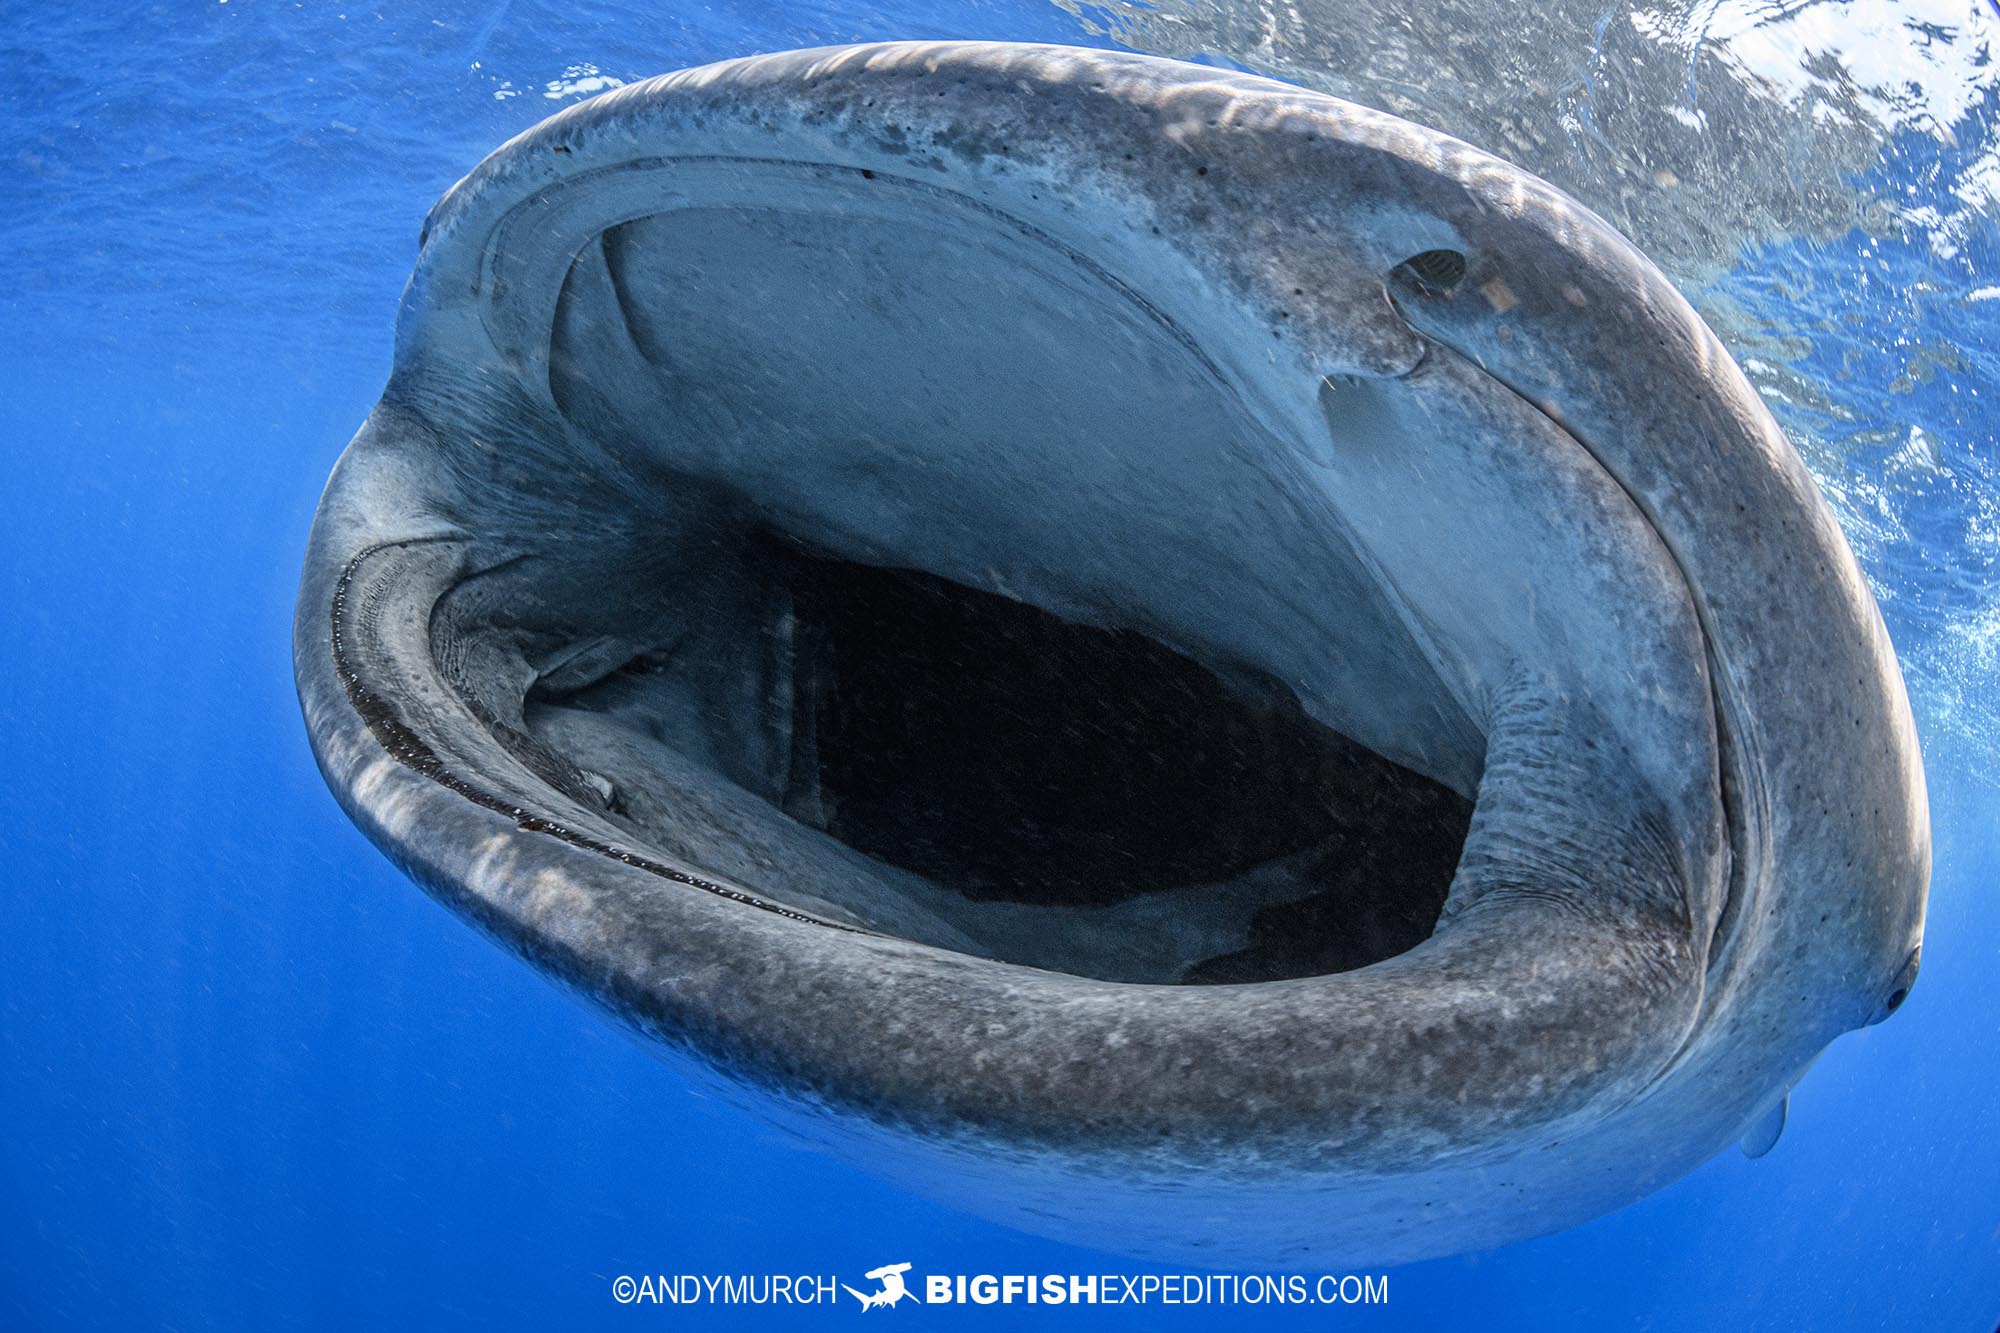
1171	660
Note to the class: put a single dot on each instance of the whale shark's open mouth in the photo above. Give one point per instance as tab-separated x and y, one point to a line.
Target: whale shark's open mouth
937	584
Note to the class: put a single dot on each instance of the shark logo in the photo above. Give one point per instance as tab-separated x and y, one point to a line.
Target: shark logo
893	1288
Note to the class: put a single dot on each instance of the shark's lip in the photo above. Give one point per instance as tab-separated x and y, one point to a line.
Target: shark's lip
1740	781
549	896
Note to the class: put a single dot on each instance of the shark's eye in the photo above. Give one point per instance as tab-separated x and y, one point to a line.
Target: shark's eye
1899	988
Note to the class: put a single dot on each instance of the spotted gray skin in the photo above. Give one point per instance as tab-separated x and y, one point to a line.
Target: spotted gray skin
1132	341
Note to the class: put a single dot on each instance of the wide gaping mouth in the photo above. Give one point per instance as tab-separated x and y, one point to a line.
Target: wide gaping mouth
904	569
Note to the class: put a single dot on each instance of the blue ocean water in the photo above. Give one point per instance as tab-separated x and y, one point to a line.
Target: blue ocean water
250	1078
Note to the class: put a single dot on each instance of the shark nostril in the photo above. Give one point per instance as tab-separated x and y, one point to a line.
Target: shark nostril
1437	272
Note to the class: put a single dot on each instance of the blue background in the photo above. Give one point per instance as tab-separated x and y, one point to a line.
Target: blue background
251	1078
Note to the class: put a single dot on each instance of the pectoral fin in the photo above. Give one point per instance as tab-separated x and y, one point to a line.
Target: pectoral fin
1763	1135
